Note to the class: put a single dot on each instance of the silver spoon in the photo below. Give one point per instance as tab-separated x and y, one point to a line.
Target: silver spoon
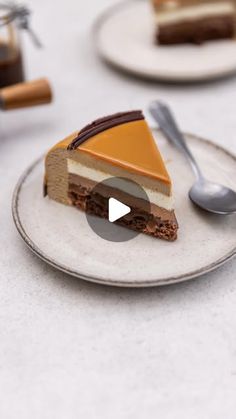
207	195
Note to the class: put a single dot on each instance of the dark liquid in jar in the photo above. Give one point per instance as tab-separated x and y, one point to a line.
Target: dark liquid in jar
11	65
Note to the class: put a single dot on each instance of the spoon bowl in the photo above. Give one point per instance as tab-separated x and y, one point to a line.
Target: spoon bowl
213	197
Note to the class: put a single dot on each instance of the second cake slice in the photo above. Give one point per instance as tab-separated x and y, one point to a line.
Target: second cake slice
194	21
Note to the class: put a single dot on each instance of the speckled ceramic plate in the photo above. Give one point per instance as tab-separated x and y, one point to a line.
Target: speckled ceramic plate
124	37
61	236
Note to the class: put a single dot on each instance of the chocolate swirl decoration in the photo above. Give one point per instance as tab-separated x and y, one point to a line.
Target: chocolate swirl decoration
103	124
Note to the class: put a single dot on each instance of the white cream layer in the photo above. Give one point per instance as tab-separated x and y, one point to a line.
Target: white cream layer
154	197
197	11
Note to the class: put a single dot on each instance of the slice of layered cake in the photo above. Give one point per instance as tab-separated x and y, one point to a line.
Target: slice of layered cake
194	21
120	145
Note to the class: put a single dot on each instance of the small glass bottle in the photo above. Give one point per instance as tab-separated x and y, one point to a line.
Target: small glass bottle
13	18
11	63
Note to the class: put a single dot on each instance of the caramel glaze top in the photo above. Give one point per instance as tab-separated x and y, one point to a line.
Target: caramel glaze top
103	124
129	145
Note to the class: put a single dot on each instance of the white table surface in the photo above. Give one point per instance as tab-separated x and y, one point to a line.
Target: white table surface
71	349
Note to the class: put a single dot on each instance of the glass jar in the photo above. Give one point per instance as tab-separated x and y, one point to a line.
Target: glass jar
11	63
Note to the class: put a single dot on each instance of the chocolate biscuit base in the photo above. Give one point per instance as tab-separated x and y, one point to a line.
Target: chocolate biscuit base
197	31
157	222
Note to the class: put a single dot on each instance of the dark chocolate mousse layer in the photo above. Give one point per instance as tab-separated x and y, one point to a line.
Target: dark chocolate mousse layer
197	31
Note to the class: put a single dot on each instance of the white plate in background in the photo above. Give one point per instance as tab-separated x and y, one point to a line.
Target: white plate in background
124	37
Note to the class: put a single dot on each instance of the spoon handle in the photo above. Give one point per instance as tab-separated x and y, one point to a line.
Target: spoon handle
166	121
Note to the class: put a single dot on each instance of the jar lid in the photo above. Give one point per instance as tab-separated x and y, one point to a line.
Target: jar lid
10	11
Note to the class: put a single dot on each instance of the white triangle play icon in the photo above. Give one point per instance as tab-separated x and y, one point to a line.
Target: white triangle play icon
116	210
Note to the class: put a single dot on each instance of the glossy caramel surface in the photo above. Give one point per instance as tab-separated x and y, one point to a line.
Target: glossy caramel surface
130	146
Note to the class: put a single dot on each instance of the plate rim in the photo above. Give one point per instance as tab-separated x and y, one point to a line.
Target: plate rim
111	282
162	77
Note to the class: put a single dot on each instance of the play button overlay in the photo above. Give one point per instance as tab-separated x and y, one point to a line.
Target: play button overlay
117	210
114	204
